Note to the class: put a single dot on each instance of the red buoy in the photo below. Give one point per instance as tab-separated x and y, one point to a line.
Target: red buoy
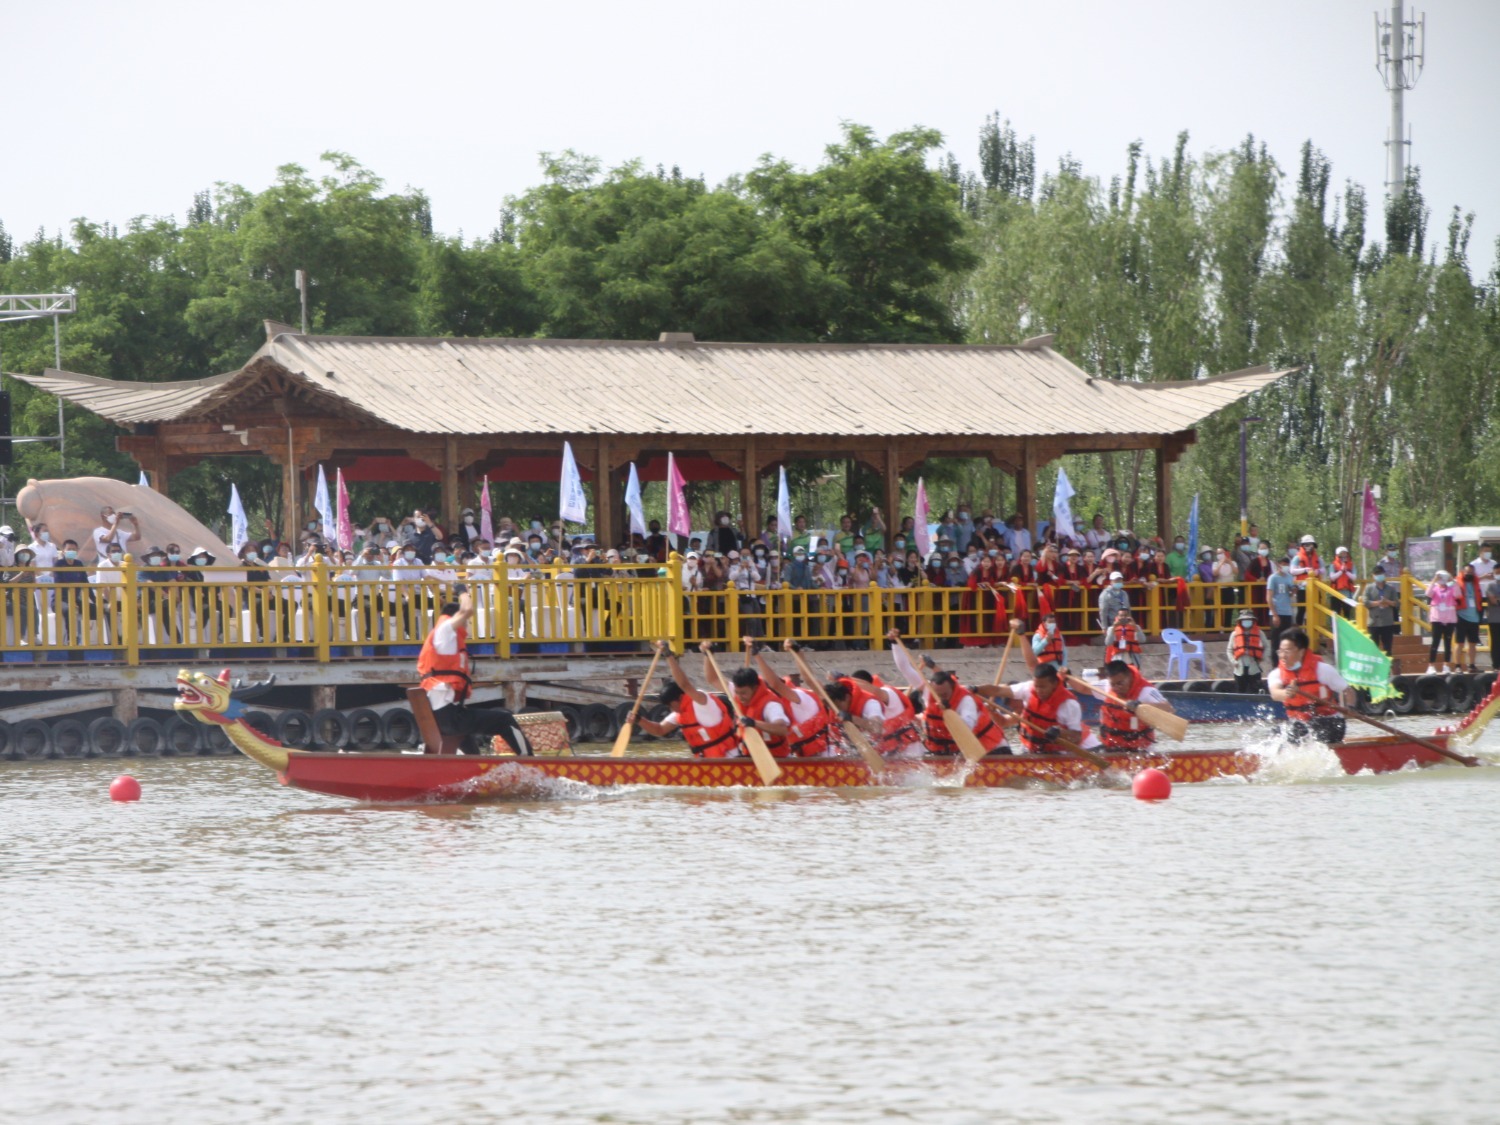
124	788
1151	785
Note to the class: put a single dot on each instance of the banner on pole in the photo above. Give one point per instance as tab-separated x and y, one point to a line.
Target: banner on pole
679	521
239	527
1369	530
783	508
486	515
571	504
923	535
633	503
1062	511
1361	662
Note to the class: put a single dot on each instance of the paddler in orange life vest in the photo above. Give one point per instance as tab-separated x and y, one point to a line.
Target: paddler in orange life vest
1119	726
807	735
762	710
445	668
1247	654
901	736
706	724
1300	675
1047	709
945	693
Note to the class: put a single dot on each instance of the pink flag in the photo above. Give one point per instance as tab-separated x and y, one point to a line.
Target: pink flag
924	538
679	522
344	530
486	522
1369	532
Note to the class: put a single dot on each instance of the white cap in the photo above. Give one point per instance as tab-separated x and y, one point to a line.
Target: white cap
693	555
1116	576
1341	551
1308	539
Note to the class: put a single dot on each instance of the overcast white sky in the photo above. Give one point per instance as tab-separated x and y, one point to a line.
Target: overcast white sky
124	109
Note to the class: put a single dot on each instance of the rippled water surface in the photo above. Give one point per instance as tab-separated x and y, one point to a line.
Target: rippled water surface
228	950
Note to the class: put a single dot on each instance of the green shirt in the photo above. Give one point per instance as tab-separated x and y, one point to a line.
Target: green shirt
1177	564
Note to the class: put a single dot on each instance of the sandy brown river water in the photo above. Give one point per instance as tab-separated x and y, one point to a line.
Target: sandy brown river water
1310	948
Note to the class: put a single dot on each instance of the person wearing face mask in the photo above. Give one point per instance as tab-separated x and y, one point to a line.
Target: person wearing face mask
1308	686
1122	640
1382	599
1114	599
1246	650
1490	587
71	577
1281	595
22	604
1344	580
1047	644
1442	597
1484	565
724	536
1466	628
405	594
46	553
468	526
1257	572
1178	563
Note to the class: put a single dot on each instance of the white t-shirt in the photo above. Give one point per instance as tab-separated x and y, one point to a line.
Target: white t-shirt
1149	693
1483	569
444	643
1069	715
805	707
1328	676
47	554
102	536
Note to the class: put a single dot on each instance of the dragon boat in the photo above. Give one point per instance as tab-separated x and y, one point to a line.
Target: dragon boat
447	777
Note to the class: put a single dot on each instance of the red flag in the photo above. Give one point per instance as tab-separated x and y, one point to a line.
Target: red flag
344	531
679	520
486	522
1369	531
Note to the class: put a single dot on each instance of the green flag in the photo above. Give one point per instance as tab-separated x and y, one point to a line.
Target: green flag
1361	662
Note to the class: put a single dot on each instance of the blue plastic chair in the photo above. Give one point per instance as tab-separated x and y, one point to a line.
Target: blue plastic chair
1180	654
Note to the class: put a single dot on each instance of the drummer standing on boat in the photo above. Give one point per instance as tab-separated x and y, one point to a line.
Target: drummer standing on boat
1310	688
445	667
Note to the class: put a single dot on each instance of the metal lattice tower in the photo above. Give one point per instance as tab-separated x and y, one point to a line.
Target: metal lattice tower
1400	45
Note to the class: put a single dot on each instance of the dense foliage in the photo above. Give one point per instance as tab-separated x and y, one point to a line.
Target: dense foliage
1178	267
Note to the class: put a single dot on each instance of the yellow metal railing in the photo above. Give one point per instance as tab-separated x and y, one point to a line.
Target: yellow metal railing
128	615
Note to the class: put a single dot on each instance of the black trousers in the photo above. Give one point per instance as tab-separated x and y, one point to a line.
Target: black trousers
1326	729
1383	635
478	727
1248	683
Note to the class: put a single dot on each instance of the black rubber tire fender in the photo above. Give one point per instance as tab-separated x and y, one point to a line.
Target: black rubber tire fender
574	716
107	737
365	730
330	729
216	742
598	723
70	739
399	729
181	738
1406	702
1223	687
32	739
1431	693
1461	693
144	738
294	730
1198	685
1169	685
5	739
260	722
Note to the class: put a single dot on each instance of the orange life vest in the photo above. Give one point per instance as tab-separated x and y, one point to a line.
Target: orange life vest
940	741
1343	576
1042	713
1055	651
1310	561
1247	642
1305	679
901	730
1127	639
1118	728
440	668
808	739
714	741
756	709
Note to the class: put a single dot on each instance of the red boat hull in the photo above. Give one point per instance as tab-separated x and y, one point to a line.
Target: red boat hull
450	778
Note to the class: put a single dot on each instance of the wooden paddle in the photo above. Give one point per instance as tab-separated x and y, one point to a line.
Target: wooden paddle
861	741
1173	726
627	728
1004	660
1351	713
958	730
760	753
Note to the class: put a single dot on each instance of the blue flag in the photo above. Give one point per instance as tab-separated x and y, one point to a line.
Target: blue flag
1193	530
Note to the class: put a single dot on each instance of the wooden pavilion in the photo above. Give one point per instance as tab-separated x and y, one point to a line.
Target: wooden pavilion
448	410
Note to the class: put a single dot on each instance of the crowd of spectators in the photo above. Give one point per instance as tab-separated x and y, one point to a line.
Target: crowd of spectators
984	571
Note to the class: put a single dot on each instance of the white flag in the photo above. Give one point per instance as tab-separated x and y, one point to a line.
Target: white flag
239	528
1062	511
783	508
145	481
571	504
633	503
324	508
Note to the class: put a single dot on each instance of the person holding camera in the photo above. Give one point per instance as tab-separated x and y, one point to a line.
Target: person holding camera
112	529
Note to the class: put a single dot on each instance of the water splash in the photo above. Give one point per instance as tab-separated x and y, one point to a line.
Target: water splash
1284	762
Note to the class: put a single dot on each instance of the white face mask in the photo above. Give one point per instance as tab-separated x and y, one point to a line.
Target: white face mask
1051	627
45	537
723	521
408	555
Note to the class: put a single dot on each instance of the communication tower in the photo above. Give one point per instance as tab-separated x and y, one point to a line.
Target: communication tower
1400	44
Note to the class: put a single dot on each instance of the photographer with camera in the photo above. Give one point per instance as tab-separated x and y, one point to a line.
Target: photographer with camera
110	530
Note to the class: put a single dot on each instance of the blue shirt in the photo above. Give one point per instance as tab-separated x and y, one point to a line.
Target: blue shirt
1280	588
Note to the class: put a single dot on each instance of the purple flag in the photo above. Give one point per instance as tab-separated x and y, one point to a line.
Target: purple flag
679	521
486	517
345	529
1369	532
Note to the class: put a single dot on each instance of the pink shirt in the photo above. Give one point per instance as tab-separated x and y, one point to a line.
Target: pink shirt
1444	603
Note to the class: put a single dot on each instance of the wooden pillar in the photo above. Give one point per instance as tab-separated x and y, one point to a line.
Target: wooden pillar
449	507
1164	495
289	495
1026	485
892	476
750	489
604	496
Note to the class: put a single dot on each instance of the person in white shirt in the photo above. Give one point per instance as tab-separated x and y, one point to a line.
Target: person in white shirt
45	553
110	530
1484	565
